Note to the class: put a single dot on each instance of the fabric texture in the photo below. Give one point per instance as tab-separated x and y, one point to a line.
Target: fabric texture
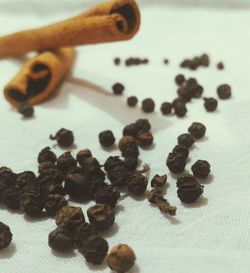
211	235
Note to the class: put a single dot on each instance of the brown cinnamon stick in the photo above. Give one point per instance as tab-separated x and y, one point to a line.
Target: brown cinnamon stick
112	21
39	77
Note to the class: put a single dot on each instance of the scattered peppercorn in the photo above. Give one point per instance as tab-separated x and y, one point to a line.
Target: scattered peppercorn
148	105
142	125
64	137
165	61
176	162
145	138
137	184
117	61
53	203
83	231
210	104
82	155
46	155
124	141
130	130
189	189
224	91
220	66
70	217
180	109
106	138
12	197
76	186
186	140
26	110
5	236
121	258
201	169
132	101
182	150
131	163
106	195
118	88
197	130
179	79
159	181
166	108
66	161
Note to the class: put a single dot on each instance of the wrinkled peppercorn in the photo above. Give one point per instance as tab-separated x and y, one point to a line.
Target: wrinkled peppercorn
159	181
26	110
70	217
117	61
106	138
43	167
94	249
197	130
53	188
66	161
182	150
46	155
177	101
7	179
102	216
54	202
184	93
155	195
12	197
145	139
118	88
130	130
82	155
92	169
166	108
25	178
131	163
131	150
124	141
94	185
180	109
132	101
189	190
201	169
5	236
106	195
179	79
176	162
186	140
61	239
76	186
142	125
210	104
83	231
137	184
64	137
224	91
50	175
165	207
148	105
220	66
121	258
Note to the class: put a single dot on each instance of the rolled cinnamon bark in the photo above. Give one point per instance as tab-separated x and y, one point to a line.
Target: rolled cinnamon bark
112	21
39	77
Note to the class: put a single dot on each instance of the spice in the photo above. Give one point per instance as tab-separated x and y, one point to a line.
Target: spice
66	161
5	236
142	125
12	197
26	110
184	93
94	249
53	188
137	184
70	217
220	66
82	155
224	91
180	109
124	141
102	216
50	175
166	108
165	61
130	150
145	138
179	79
106	138
61	239
176	162
117	61
131	163
186	140
118	88
201	169
53	203
132	101
136	61
25	178
197	130
148	105
76	186
210	104
121	258
130	130
64	137
83	231
182	150
159	181
46	155
106	195
189	189
196	62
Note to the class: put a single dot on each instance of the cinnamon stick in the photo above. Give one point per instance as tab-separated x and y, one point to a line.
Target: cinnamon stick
39	77
112	21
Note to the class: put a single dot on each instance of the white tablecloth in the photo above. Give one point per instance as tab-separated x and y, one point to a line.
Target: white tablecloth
211	235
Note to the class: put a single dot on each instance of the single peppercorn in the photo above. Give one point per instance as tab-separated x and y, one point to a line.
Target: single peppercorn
82	155
5	236
204	59
106	195
76	186
130	130
176	162
121	258
92	169
224	91
182	150
106	138
53	188
165	61
148	105
165	207
166	108
124	141
66	161
197	130
26	110
118	88
137	184
220	66
131	163
43	167
12	197
159	181
130	150
177	101
189	189
117	61
142	125
180	109
83	231
46	155
201	169
25	178
132	101
102	216
53	203
64	137
61	239
210	104
184	93
186	140
145	139
70	217
154	196
179	79
50	175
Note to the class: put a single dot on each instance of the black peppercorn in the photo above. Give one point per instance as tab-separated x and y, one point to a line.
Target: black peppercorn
159	181
121	258
117	61
186	140
124	141
12	197
53	203
137	184
179	79
177	101
142	125
197	130
25	178
83	231
176	162
165	61
118	88
5	236
46	155
92	169
50	175
26	110
102	216
220	66
61	239
224	91
210	104
94	185
148	105
53	188
69	217
145	139
205	60
180	109
201	169
106	138
189	190
166	108
94	249
64	137
7	178
182	150
184	93
106	195
82	155
66	161
131	163
43	167
130	150
196	91
132	101
130	130
76	186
